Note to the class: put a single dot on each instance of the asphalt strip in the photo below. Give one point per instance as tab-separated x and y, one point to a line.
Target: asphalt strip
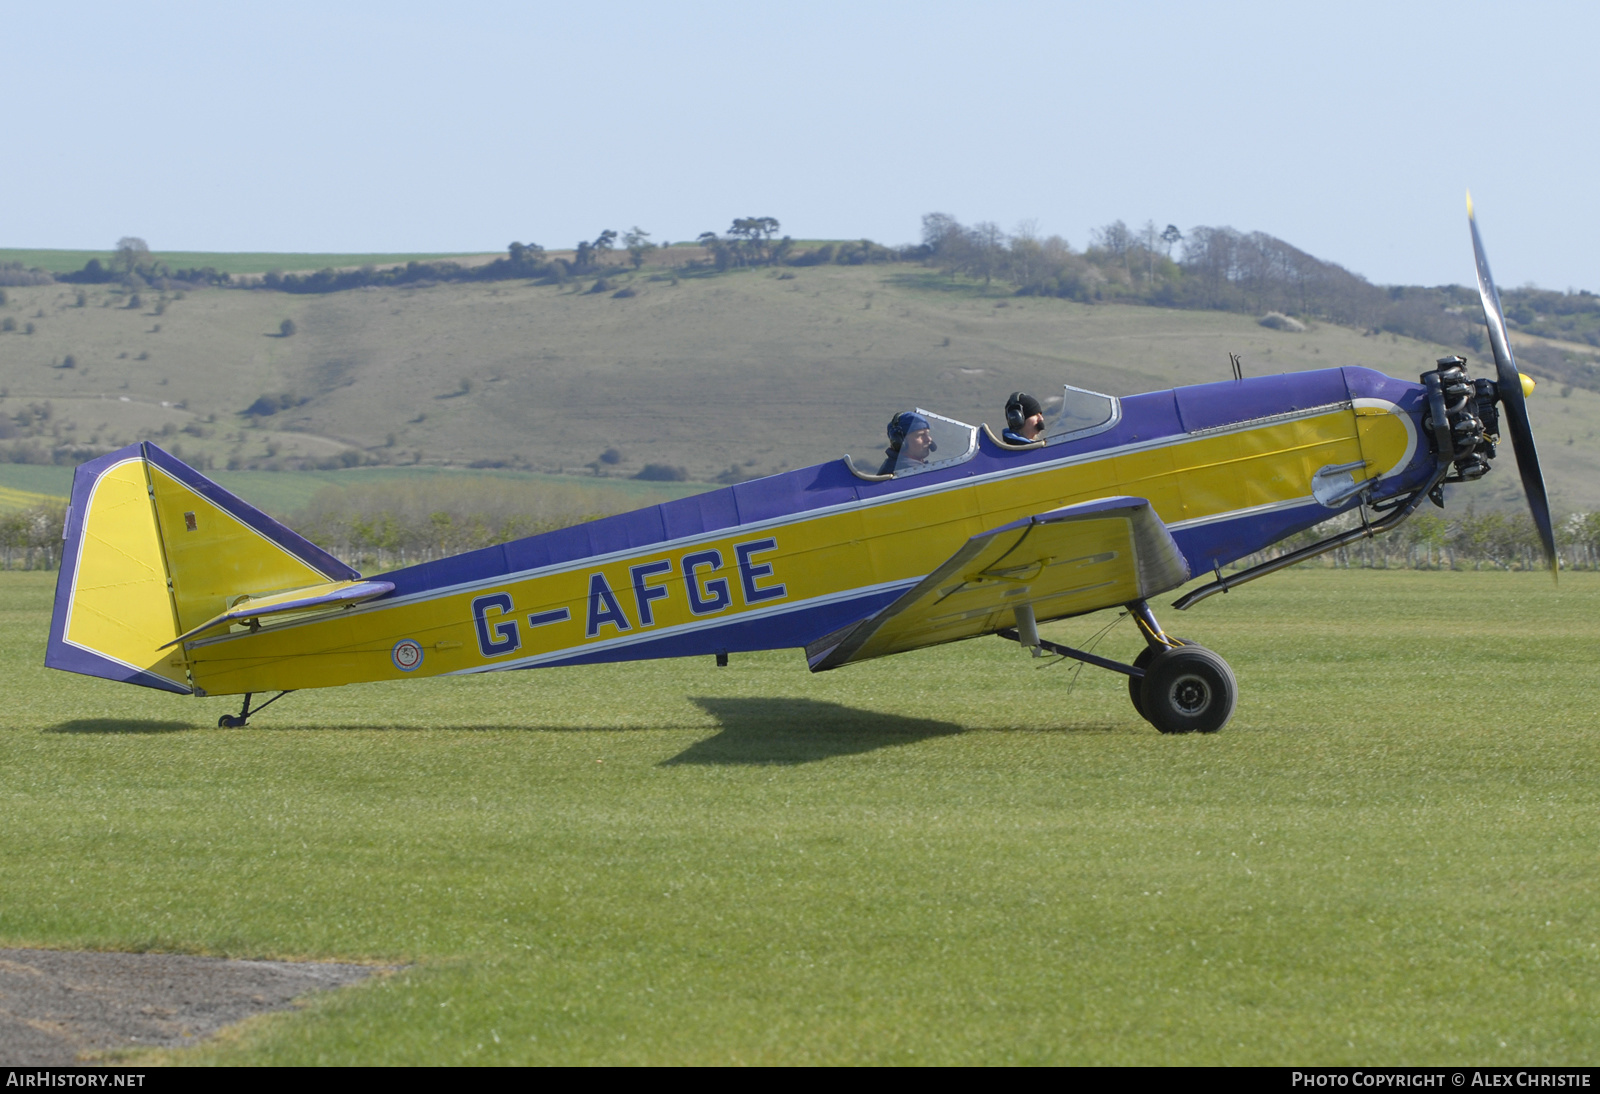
58	1007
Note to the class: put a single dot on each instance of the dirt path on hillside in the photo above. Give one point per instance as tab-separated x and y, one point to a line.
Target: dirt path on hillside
56	1007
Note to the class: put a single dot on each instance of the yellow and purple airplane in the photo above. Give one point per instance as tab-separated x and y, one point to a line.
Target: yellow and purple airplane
171	582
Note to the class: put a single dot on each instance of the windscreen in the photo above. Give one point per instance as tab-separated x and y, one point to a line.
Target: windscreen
1081	412
947	442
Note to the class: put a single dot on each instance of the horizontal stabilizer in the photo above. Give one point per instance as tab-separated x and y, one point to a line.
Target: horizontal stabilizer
1065	562
328	595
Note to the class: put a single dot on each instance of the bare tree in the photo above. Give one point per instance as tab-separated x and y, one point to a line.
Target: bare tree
637	240
1148	238
1026	252
938	230
132	252
990	241
1115	240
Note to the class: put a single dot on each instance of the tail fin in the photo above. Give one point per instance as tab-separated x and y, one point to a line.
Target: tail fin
153	549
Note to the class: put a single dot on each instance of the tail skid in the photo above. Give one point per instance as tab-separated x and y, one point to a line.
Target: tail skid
155	550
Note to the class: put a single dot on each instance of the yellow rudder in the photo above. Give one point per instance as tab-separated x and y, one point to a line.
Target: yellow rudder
153	548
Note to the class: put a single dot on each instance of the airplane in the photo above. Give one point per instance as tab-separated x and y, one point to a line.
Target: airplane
171	582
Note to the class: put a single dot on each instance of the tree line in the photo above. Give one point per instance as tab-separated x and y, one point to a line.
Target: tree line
30	539
1470	540
1255	273
748	241
1206	267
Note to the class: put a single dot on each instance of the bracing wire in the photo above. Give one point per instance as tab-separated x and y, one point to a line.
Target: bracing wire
1077	666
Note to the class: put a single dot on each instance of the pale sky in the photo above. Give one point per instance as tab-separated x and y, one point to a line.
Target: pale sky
1350	130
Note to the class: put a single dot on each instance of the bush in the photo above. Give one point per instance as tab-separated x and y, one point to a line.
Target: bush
399	522
661	472
611	456
94	272
268	405
1278	321
12	273
286	329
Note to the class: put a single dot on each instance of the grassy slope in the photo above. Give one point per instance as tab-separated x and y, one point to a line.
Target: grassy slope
743	369
950	856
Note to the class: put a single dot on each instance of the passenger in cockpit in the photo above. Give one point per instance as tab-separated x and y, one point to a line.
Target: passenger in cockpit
1024	419
910	441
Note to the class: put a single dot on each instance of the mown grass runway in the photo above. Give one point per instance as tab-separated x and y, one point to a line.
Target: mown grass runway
955	856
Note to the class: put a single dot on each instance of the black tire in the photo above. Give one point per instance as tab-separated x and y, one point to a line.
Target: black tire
228	721
1188	690
1135	683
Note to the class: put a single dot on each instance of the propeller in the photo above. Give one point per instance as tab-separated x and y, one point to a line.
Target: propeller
1513	399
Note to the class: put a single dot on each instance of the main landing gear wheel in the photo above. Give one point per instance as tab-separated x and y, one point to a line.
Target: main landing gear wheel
229	721
1187	689
1143	662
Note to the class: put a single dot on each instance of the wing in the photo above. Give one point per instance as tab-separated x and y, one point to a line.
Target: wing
1065	562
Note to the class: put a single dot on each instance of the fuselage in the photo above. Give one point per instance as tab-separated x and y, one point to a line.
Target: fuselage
777	562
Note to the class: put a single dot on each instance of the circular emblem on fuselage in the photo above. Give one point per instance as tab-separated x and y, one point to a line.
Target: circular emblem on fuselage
406	654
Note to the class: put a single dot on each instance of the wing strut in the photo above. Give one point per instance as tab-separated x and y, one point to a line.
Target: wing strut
1367	530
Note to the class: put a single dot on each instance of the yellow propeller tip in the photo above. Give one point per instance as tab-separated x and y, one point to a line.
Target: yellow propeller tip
1469	204
1527	384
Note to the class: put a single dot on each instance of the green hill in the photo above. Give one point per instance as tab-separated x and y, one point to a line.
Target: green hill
734	375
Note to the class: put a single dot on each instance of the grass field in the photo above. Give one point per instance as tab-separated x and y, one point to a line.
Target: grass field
22	499
230	262
954	856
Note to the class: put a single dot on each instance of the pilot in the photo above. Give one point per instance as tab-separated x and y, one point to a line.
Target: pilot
910	440
1024	419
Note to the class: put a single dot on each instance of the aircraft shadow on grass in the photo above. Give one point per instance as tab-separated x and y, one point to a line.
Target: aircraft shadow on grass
798	731
120	725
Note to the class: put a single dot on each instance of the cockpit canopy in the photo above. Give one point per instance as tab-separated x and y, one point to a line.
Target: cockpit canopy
953	442
1081	413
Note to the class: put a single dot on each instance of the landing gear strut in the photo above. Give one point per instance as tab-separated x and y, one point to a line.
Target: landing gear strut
240	720
1175	685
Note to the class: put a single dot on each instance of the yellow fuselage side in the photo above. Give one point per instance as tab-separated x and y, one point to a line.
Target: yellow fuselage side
814	556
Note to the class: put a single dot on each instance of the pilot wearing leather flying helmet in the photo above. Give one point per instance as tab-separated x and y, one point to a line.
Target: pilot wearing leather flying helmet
1024	419
910	441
